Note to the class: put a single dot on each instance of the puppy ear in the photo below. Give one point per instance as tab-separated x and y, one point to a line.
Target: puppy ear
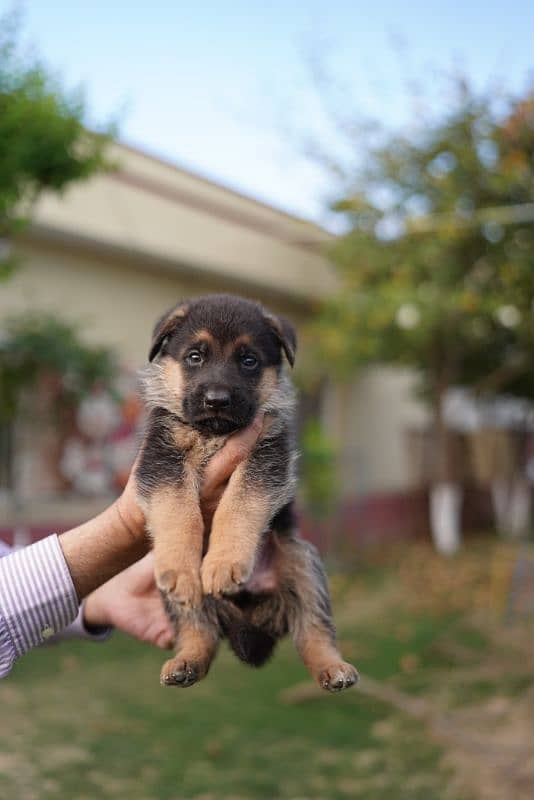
286	335
165	326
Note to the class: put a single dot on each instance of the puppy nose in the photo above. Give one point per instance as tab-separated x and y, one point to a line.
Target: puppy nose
217	398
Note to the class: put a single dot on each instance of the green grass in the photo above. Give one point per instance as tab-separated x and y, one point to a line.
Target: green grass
85	721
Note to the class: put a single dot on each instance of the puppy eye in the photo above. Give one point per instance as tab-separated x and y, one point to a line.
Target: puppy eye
194	358
249	361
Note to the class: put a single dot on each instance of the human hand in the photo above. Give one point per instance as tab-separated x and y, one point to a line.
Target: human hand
130	601
105	545
215	479
220	468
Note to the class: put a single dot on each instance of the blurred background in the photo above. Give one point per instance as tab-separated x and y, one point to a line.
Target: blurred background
368	173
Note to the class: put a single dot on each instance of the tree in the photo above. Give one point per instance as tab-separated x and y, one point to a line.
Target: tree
46	370
437	265
44	144
37	347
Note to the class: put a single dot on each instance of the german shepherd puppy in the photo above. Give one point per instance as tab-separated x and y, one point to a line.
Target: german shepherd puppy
214	363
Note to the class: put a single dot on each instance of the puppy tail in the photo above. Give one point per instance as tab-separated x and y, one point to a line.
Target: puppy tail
251	645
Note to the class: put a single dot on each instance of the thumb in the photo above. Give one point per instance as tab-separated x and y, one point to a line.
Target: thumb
236	450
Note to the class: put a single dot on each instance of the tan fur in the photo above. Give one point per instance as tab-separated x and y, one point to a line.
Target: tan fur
199	449
163	385
173	317
318	653
203	336
239	521
174	380
315	642
165	327
242	341
281	401
267	385
195	649
175	523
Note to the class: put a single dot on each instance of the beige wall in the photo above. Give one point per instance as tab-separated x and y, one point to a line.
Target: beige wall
369	419
154	210
115	304
114	253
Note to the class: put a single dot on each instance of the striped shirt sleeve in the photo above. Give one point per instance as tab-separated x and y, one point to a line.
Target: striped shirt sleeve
37	599
79	630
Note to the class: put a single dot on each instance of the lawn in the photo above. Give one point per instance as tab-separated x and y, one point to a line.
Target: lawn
446	682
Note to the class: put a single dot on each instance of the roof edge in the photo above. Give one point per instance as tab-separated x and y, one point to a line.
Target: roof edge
202	273
146	152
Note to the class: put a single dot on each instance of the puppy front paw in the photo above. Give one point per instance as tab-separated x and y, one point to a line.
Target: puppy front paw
180	586
222	576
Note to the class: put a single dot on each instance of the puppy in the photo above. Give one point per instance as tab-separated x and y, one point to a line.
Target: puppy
214	362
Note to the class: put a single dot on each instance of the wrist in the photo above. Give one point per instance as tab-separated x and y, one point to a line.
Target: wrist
100	548
129	518
95	614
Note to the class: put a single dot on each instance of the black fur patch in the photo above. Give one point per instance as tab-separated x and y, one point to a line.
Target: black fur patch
227	317
161	461
251	644
286	519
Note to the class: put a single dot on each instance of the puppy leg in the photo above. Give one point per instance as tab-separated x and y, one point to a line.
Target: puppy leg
175	522
310	616
196	645
241	517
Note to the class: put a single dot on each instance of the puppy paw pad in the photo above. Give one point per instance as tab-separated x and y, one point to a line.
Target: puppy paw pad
182	674
338	677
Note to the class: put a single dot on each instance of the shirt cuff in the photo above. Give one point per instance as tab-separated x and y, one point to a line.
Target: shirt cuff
37	595
79	630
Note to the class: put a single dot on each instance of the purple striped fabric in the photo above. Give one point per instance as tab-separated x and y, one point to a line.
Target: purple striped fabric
37	599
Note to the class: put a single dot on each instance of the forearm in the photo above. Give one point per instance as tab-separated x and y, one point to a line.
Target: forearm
41	585
37	599
99	549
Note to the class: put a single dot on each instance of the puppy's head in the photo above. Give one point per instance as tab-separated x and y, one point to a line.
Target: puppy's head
216	360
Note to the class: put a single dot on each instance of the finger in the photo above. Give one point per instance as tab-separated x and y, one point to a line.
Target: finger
144	565
236	450
160	634
165	640
141	574
155	627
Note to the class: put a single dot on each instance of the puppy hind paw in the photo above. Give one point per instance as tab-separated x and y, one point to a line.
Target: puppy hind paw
337	677
181	672
182	675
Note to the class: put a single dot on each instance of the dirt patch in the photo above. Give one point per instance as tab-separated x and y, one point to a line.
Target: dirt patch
490	748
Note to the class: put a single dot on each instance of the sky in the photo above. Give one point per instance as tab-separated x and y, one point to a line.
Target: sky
225	89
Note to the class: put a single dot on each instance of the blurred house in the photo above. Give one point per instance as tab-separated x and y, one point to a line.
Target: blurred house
114	253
